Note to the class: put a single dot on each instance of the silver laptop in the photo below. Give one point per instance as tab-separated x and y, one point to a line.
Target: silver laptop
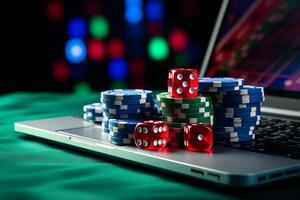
238	164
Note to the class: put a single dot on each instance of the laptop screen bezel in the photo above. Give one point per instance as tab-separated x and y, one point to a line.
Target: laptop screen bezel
215	34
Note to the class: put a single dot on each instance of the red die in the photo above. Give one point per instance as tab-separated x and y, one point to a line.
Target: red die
151	135
183	83
198	137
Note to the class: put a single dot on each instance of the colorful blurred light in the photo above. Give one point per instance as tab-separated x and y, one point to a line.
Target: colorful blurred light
134	14
99	27
75	51
55	10
60	70
82	88
178	40
158	48
154	10
118	69
129	3
118	85
96	50
116	48
77	27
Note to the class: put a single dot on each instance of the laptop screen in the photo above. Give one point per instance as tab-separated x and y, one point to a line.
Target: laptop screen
260	42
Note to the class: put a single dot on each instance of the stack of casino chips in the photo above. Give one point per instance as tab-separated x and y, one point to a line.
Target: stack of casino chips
237	108
176	112
128	106
93	112
122	130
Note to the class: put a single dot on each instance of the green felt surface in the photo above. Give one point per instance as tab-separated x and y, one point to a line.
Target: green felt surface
33	169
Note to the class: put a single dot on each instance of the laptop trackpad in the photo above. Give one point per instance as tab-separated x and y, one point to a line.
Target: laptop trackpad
91	133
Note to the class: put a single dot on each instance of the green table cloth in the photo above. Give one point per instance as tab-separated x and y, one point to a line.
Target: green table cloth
34	169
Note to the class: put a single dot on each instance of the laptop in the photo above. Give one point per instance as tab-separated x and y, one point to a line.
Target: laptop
272	156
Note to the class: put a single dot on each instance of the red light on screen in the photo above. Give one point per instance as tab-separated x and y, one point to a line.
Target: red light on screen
137	67
96	50
178	40
60	70
55	10
116	48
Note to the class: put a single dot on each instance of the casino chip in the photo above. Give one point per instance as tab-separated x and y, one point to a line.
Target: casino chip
176	112
93	113
127	104
126	94
237	111
121	131
219	84
105	123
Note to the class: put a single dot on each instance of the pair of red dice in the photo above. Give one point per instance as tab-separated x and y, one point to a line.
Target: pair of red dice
154	135
183	83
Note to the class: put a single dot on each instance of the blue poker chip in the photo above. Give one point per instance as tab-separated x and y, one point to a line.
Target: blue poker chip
126	94
121	135
94	108
240	100
233	129
229	109
105	123
92	114
242	138
236	124
236	105
115	111
237	119
204	89
92	119
225	115
121	141
239	134
247	90
143	115
127	106
220	82
238	96
105	130
124	123
141	102
123	131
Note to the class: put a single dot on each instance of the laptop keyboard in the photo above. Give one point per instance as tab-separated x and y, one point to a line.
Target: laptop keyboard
275	137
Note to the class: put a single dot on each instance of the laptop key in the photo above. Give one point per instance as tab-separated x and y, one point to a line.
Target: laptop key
275	137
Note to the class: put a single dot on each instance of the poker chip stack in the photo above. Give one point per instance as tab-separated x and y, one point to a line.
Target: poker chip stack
237	108
93	112
176	112
122	110
121	131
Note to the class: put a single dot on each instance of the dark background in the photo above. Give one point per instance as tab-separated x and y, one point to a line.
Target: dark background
34	41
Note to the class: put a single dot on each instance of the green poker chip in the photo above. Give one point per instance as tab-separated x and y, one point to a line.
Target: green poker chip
170	110
185	106
205	120
188	115
165	97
